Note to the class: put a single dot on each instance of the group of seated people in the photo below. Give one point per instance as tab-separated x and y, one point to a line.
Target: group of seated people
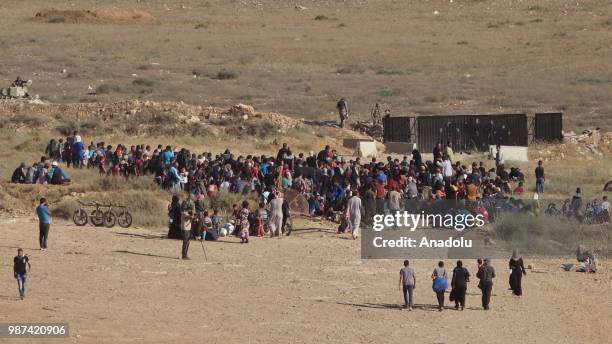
43	172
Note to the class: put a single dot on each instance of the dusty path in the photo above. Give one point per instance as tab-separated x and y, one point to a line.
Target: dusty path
125	286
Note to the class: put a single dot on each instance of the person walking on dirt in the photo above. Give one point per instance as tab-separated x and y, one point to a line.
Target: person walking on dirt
407	283
44	223
539	174
286	215
461	277
276	216
517	271
439	284
186	217
343	111
486	274
353	210
20	262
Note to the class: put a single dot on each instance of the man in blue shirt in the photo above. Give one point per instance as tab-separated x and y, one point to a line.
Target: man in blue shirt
44	223
167	156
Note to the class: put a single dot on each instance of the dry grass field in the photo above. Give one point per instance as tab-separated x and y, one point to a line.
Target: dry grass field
294	58
298	57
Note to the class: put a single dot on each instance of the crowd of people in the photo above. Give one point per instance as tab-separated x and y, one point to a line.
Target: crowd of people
353	189
326	179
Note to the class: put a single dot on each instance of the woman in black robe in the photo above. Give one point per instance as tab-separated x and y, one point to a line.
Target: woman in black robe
461	277
174	213
517	270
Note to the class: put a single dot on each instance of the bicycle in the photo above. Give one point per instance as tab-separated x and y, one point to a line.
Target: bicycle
123	217
102	215
80	216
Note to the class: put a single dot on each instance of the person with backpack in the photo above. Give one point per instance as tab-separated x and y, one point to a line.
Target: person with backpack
439	284
486	274
461	277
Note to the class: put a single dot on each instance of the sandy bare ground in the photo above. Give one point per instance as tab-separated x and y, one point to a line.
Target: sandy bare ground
126	286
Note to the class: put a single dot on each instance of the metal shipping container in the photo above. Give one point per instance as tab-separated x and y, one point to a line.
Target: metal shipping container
548	127
473	132
396	129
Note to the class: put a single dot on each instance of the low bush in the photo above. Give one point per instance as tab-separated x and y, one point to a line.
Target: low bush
143	82
30	120
106	89
226	74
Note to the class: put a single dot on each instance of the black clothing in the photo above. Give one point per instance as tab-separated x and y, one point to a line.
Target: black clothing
437	153
486	273
174	230
518	270
43	234
285	208
486	293
440	297
18	176
20	264
459	285
539	172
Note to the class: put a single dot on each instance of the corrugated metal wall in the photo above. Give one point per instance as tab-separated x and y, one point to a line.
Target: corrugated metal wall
548	127
473	132
396	129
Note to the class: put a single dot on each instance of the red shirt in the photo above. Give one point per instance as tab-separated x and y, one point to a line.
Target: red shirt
380	191
392	184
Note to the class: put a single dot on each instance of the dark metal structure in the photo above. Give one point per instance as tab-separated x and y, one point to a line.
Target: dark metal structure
548	127
472	132
396	129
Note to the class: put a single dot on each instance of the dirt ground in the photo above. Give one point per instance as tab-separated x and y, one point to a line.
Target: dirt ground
128	286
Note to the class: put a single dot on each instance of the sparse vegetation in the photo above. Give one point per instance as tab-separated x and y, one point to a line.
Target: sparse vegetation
350	69
226	74
66	128
143	82
386	70
388	92
107	89
29	120
57	20
536	8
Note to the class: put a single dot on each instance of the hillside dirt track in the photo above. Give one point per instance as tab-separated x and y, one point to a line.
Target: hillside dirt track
128	286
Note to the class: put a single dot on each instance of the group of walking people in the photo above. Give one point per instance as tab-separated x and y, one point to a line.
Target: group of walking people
460	280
